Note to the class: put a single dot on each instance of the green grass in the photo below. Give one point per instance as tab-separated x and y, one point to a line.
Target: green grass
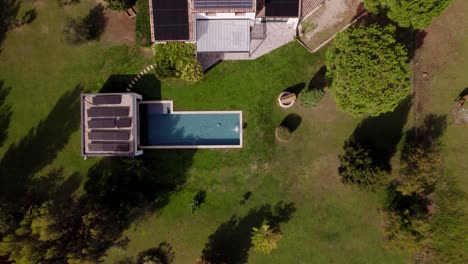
448	79
331	222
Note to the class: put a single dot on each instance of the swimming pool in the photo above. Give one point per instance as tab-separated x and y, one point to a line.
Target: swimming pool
166	128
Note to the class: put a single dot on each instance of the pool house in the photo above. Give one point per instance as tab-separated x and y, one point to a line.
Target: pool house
122	124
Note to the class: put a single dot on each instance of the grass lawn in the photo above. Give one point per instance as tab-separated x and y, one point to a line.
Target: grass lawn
446	66
322	220
330	222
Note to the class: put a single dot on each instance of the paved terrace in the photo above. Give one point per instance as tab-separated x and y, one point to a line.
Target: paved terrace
277	35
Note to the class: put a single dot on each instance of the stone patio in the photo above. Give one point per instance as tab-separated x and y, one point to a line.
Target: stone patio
275	35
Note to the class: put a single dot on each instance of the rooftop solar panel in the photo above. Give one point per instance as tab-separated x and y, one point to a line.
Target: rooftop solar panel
101	123
107	99
124	122
282	8
108	111
170	19
205	4
109	135
109	146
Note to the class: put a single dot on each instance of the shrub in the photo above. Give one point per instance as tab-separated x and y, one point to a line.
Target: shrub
120	5
409	13
176	60
265	239
142	24
283	133
369	70
310	98
357	167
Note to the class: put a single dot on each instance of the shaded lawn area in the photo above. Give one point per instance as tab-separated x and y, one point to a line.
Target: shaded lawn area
446	66
327	221
38	68
295	185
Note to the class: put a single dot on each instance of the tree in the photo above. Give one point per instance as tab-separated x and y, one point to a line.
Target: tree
357	167
265	239
420	170
176	60
409	13
369	70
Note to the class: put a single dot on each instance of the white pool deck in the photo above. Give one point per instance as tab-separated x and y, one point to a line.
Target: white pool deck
170	104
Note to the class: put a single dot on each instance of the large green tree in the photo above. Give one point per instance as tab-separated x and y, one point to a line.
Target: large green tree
408	13
369	70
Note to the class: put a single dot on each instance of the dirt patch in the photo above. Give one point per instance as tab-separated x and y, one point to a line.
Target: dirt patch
120	29
328	20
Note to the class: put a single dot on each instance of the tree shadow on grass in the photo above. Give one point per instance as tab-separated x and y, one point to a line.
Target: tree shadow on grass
381	135
39	147
296	89
462	94
5	113
318	82
8	12
96	21
292	122
148	85
232	240
163	254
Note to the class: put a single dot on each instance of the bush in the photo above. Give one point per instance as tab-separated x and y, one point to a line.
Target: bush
176	60
369	70
409	13
120	5
310	98
358	168
265	239
283	133
142	24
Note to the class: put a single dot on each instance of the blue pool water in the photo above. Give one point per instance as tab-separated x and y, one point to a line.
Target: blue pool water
182	129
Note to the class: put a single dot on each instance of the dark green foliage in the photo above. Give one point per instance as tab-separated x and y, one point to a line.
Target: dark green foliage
310	98
421	161
408	210
358	168
416	14
142	24
405	232
120	5
369	70
176	60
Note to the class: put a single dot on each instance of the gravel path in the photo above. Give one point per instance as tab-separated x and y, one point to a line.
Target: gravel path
333	14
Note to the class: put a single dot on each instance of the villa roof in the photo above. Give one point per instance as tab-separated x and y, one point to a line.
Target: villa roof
282	8
109	124
170	20
223	4
223	35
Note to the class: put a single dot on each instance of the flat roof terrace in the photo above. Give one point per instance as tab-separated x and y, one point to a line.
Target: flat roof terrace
109	124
